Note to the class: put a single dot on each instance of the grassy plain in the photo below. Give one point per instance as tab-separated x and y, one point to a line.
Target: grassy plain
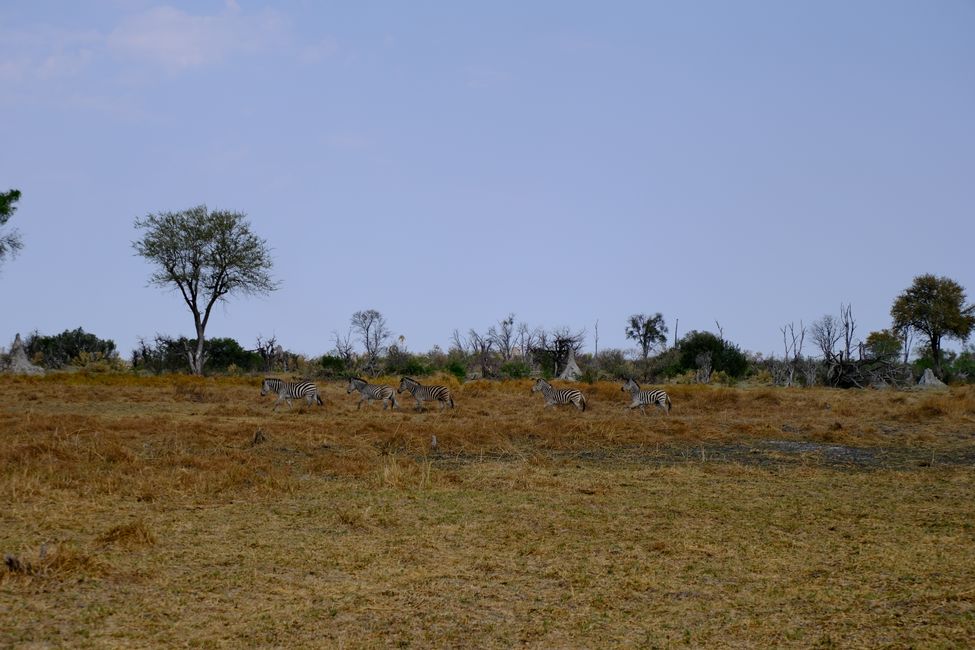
138	512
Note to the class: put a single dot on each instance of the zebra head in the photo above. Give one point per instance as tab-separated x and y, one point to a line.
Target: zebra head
265	387
630	386
354	384
540	384
404	384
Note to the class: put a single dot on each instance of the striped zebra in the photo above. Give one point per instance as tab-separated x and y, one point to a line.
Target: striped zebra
423	393
643	397
369	392
289	390
554	396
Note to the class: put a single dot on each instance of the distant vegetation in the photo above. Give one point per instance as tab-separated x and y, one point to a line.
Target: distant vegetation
831	351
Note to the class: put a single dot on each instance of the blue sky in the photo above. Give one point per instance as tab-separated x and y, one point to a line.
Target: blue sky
448	163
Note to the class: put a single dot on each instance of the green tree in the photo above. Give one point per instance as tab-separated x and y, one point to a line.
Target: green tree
935	307
10	242
207	256
648	331
884	345
725	357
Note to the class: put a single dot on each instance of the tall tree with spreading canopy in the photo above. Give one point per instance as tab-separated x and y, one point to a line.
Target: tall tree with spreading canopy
648	331
10	242
208	256
935	307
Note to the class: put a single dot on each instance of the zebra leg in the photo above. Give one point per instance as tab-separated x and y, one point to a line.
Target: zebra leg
359	405
419	405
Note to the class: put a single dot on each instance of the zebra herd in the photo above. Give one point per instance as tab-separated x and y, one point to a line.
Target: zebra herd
292	390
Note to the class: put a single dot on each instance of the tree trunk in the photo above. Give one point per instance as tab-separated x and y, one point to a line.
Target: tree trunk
196	355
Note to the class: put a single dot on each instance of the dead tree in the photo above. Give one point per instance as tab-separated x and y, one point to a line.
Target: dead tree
502	337
793	342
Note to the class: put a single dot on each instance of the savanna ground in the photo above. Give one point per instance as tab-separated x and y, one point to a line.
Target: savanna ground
140	512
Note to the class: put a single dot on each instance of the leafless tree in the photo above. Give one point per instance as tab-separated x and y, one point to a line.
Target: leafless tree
265	348
344	348
907	341
793	342
849	327
826	334
595	340
373	334
480	347
502	336
527	339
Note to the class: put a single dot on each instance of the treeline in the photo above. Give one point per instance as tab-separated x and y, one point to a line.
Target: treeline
509	350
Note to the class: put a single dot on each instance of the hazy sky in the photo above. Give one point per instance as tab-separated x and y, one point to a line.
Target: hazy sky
448	163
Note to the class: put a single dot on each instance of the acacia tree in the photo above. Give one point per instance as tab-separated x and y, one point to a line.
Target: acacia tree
208	256
647	331
936	308
10	242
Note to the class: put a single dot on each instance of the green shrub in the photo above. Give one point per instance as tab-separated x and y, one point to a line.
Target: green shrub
62	349
515	370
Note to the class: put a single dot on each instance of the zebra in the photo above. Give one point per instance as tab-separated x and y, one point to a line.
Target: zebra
555	396
423	393
643	397
370	392
289	390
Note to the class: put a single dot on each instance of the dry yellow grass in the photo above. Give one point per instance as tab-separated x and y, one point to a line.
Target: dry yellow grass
140	512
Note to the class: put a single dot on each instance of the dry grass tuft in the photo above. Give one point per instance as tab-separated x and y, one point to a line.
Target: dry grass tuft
132	535
59	562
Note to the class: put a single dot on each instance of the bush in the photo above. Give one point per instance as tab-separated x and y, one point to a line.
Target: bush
333	366
163	354
515	370
726	357
70	346
457	369
221	353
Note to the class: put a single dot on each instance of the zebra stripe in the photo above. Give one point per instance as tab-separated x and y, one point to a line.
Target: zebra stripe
642	398
289	390
555	396
423	393
369	392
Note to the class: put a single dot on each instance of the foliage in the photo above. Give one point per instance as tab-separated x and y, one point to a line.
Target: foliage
883	345
10	243
725	357
208	256
515	370
648	331
163	354
70	347
935	307
221	353
333	366
401	362
613	364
